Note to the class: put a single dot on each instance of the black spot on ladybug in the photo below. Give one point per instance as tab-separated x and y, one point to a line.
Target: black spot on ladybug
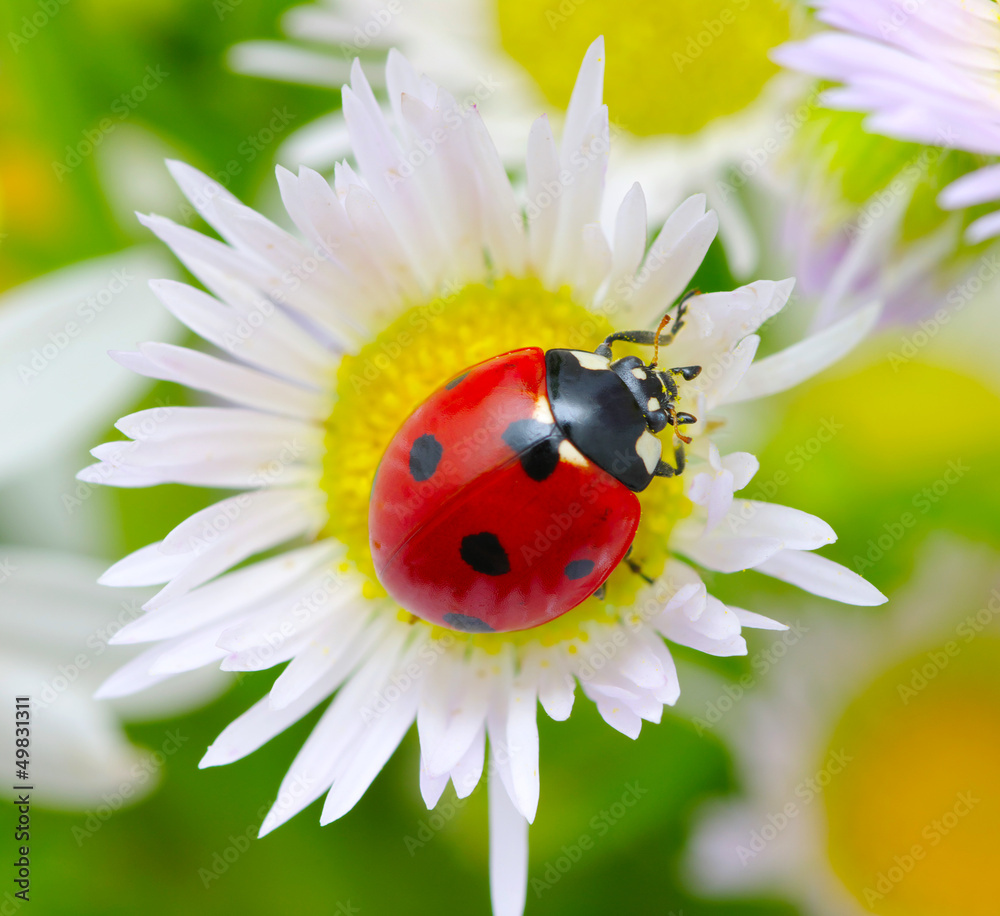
467	624
579	569
536	444
457	380
485	554
425	453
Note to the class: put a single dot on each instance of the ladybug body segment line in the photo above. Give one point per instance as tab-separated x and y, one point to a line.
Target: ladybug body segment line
508	497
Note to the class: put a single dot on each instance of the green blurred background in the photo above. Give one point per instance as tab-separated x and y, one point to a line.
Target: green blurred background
185	849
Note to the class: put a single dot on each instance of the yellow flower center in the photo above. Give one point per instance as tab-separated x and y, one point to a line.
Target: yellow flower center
914	816
673	65
381	385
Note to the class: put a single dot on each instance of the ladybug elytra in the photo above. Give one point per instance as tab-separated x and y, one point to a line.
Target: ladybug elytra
527	441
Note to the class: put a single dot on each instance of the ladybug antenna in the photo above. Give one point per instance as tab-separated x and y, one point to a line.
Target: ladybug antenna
676	419
656	342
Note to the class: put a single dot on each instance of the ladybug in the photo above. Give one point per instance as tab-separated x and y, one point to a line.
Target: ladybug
508	496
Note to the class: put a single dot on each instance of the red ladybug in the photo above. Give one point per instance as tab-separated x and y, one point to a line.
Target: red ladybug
508	496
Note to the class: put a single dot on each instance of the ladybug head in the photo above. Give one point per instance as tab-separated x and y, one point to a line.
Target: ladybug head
654	389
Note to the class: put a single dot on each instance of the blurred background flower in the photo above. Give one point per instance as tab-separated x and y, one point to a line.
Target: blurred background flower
95	93
871	758
689	84
900	202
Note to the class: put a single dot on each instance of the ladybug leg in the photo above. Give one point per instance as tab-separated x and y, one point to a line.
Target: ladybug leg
637	569
602	590
663	469
649	338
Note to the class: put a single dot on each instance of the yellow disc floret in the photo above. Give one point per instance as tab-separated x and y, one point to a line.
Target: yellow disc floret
381	385
674	65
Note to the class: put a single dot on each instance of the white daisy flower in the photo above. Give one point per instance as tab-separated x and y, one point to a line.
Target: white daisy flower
56	389
53	332
405	273
868	755
852	241
926	72
55	623
729	106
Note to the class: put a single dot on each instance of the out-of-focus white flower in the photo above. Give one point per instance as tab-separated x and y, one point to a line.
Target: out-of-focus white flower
57	388
693	94
926	72
868	755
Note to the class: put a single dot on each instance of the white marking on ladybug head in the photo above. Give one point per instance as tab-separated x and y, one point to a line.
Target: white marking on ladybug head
648	448
639	373
590	360
652	404
543	411
569	452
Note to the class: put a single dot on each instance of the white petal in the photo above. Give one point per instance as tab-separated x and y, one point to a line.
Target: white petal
977	187
452	711
725	553
756	621
508	849
666	272
986	227
146	566
56	391
334	741
795	529
466	773
224	379
431	787
805	359
522	742
542	167
822	577
236	591
332	652
267	520
373	751
584	101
